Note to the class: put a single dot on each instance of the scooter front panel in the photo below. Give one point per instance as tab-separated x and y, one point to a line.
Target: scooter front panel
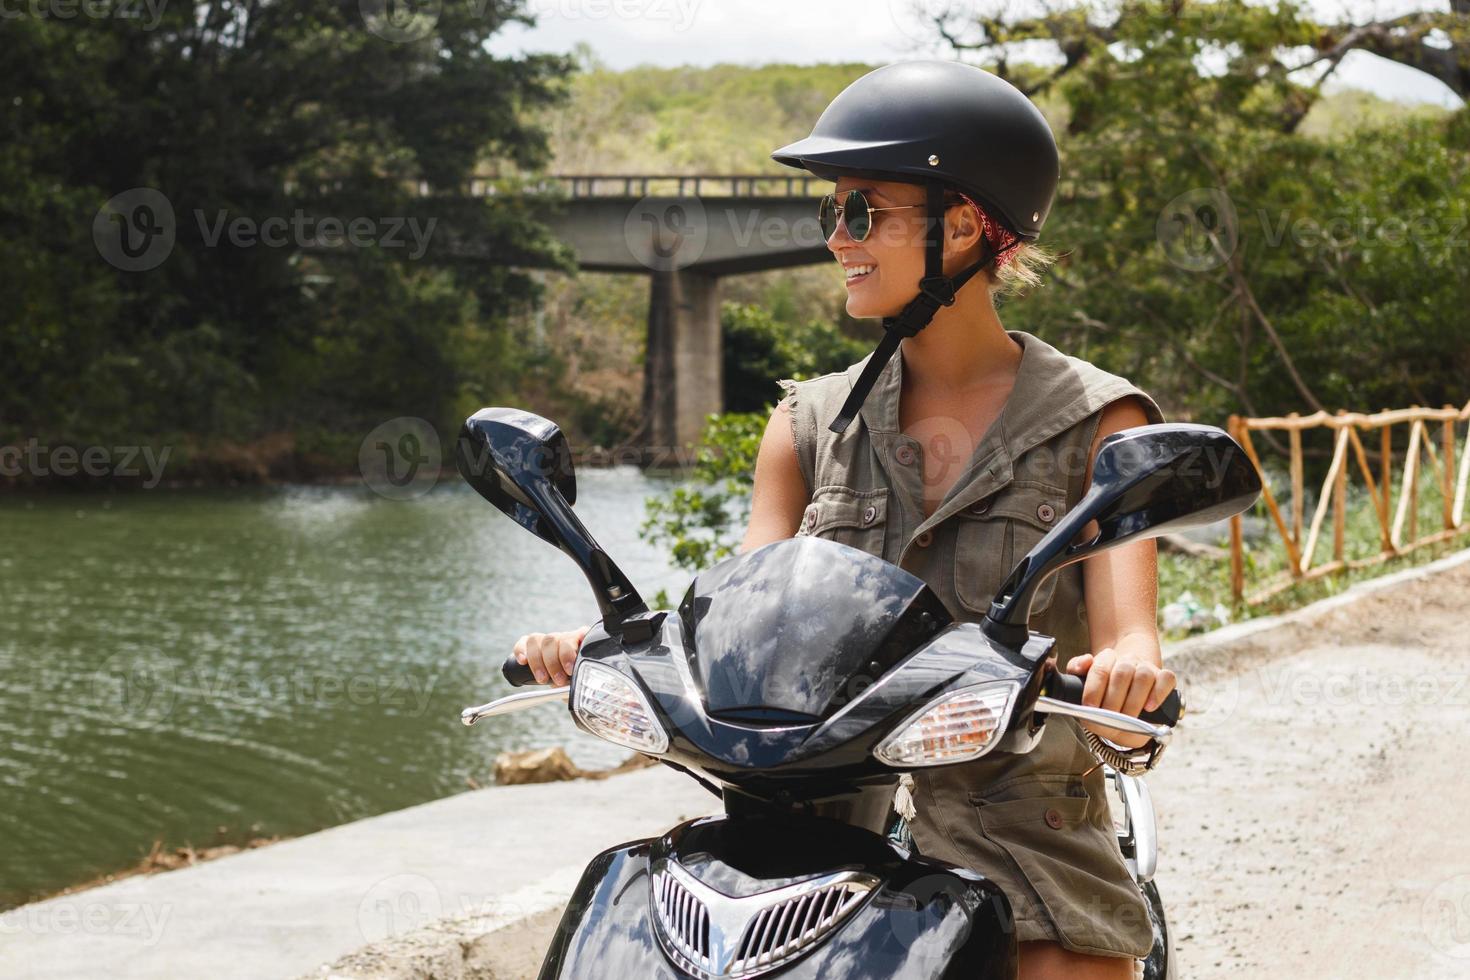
876	911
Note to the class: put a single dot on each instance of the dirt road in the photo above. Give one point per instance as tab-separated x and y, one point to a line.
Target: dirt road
1311	812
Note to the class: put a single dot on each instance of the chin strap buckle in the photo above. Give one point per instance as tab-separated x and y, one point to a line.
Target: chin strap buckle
934	292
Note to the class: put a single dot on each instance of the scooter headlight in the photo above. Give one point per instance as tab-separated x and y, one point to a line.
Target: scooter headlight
612	707
955	727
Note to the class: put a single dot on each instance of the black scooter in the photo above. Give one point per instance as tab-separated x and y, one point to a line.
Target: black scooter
798	682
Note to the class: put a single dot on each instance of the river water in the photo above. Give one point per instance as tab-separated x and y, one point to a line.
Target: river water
201	666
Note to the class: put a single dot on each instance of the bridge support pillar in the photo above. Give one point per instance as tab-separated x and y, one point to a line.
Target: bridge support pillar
682	376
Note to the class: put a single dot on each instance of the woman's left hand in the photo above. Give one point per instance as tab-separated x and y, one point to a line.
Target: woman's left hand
1125	682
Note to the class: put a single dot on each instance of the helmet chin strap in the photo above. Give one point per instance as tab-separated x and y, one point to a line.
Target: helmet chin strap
935	290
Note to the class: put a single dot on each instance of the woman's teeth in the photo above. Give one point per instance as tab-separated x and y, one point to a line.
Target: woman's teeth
858	270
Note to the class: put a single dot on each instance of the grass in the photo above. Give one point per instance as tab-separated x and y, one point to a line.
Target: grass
1265	559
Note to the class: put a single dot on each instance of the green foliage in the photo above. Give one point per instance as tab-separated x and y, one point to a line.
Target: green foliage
761	346
260	113
702	520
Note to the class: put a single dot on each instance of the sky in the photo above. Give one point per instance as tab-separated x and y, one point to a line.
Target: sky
625	33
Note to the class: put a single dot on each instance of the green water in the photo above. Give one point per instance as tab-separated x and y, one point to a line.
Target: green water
267	662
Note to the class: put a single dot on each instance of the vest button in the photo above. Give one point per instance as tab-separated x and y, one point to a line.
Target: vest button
1054	820
924	539
905	454
869	514
1047	513
981	509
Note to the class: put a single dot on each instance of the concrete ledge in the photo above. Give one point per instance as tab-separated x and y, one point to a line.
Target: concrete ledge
490	858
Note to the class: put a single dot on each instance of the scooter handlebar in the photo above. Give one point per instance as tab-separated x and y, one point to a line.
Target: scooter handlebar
1068	688
516	673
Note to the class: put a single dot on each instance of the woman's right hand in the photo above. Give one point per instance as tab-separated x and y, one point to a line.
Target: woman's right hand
551	655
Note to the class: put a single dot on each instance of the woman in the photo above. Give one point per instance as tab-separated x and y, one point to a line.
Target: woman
952	460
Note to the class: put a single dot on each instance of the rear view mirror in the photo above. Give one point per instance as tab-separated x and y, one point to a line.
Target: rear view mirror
1146	481
521	463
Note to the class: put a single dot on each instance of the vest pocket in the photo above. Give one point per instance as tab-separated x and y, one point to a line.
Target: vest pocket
997	532
857	518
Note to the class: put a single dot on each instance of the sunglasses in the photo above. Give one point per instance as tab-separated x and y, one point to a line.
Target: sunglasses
855	212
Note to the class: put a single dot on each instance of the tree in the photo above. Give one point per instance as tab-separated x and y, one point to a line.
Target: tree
259	126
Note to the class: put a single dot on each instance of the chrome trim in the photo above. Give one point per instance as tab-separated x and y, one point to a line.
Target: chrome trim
1102	716
715	936
1142	825
514	702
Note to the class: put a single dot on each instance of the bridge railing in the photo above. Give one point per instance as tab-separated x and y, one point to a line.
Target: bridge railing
665	185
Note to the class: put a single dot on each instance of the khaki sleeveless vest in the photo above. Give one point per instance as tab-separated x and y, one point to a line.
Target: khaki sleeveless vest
866	485
1036	823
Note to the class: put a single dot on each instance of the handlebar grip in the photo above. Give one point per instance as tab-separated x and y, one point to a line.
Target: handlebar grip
1068	687
516	673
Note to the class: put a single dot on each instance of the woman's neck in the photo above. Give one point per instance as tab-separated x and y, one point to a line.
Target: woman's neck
964	347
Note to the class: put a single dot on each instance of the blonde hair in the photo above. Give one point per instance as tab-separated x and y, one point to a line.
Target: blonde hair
1026	268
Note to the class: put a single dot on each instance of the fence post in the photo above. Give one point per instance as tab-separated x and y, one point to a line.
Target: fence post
1339	494
1297	490
1447	474
1386	462
1237	537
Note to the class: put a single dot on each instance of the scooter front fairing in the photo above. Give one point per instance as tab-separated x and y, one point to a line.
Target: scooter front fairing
736	897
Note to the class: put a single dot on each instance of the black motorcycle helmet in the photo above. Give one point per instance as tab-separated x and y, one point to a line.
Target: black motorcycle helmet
947	126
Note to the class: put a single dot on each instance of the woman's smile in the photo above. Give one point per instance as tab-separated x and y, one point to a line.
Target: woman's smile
858	272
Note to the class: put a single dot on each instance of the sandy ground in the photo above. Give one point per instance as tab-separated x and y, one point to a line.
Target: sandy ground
1311	809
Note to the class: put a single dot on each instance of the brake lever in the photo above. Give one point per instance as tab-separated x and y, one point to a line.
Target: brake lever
1102	716
514	702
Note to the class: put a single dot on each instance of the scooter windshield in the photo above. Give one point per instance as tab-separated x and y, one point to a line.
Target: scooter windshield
787	629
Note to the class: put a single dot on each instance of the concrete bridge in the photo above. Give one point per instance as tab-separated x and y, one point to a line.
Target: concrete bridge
684	233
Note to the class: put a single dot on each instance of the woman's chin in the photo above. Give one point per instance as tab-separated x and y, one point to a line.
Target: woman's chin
861	308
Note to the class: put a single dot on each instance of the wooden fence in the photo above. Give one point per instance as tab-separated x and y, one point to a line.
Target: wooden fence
1398	521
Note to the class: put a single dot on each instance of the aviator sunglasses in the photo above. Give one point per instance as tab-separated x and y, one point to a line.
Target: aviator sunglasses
855	211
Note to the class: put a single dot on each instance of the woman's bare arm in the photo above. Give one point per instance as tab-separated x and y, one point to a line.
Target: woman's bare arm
1125	671
780	495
